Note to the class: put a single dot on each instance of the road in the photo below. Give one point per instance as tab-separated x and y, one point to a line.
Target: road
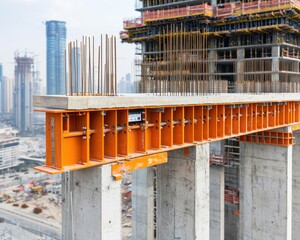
30	223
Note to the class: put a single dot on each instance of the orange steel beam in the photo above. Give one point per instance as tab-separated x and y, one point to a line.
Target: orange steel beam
269	137
77	139
124	167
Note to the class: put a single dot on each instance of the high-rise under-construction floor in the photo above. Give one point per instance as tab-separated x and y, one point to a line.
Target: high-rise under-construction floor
199	47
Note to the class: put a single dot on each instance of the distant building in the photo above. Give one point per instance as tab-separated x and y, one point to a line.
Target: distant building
7	95
1	89
126	85
23	110
56	34
37	84
9	151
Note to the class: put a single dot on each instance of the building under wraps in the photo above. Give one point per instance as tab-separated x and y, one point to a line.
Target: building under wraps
194	47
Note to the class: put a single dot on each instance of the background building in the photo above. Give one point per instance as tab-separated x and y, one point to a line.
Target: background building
1	89
23	111
126	85
9	150
7	95
56	34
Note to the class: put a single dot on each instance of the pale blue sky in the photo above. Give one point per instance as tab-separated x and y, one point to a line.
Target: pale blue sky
22	28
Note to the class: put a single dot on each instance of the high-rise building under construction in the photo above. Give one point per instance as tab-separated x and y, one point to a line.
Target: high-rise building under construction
193	47
56	34
23	109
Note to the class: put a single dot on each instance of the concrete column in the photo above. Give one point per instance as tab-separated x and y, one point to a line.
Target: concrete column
296	186
265	192
212	56
183	195
143	204
91	205
240	68
275	63
217	216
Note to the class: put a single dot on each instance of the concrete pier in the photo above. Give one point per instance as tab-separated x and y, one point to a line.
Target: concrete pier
91	204
217	187
143	204
296	186
265	192
183	195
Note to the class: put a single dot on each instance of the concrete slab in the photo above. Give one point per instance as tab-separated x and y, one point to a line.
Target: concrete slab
147	100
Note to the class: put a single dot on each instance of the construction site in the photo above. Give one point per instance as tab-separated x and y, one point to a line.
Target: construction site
211	139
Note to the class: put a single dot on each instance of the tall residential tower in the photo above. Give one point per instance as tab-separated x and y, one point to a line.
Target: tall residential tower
56	44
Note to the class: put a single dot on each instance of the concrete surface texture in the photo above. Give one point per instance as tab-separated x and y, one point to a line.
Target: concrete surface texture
296	186
143	204
183	195
265	192
146	100
217	218
91	204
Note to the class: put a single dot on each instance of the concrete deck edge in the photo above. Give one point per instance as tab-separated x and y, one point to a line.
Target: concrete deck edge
144	100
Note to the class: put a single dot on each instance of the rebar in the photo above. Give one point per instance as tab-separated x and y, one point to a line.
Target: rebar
81	65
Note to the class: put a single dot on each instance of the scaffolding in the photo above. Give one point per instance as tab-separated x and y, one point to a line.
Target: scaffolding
192	47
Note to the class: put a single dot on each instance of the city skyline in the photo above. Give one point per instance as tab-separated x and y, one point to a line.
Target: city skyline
81	20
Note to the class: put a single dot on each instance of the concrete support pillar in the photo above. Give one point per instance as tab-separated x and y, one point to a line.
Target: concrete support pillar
275	63
265	192
240	65
91	204
217	216
183	195
296	186
212	64
143	204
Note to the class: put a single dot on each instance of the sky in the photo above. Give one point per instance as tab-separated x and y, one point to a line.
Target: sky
22	27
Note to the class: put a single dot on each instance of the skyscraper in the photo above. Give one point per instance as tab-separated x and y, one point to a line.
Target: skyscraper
23	112
56	34
1	89
7	95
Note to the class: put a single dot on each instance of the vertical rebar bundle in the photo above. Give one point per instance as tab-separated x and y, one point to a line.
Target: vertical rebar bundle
87	75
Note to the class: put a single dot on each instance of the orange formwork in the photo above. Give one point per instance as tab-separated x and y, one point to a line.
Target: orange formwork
77	139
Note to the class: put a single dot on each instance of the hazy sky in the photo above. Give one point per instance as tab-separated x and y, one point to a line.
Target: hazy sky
22	27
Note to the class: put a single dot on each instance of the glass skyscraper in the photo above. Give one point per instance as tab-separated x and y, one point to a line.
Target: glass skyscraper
1	89
56	34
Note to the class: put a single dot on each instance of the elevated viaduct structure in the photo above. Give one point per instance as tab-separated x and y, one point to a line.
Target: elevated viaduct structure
212	139
94	140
